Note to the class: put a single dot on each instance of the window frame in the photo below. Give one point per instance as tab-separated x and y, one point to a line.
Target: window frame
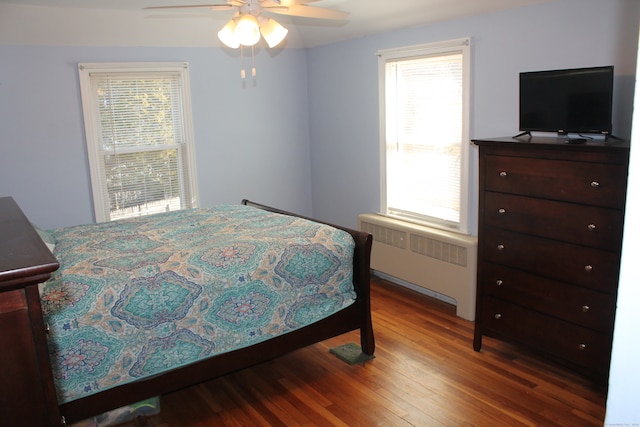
463	46
91	114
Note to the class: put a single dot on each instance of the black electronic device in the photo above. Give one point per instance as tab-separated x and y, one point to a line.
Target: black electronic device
578	100
575	140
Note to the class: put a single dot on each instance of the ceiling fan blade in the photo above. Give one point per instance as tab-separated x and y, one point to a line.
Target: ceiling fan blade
187	15
193	6
309	12
285	3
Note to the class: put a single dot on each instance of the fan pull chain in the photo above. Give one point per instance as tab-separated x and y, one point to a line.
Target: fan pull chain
242	73
253	64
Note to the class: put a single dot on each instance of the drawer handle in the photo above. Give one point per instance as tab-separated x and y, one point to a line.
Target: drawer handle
500	247
582	347
497	316
503	174
588	268
591	227
499	282
502	211
585	308
595	184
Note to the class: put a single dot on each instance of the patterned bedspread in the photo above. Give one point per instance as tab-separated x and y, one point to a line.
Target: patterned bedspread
137	297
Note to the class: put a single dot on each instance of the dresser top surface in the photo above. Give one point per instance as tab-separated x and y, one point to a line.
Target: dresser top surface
556	142
23	254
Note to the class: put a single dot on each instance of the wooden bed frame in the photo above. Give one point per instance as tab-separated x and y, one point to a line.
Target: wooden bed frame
27	393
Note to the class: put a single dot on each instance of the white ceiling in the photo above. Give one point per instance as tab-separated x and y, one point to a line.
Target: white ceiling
366	17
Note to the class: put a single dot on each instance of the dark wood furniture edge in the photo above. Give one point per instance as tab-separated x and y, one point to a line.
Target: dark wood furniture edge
25	258
25	261
355	316
596	144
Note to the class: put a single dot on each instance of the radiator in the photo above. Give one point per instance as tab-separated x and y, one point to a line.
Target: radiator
433	260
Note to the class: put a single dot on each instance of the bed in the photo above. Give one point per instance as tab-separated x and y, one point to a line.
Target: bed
149	305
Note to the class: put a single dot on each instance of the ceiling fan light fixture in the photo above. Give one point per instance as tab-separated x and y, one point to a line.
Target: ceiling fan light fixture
228	36
273	32
247	31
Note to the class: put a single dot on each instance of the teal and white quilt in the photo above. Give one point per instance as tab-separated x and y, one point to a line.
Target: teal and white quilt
137	297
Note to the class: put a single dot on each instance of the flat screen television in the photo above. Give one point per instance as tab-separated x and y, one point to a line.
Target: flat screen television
567	101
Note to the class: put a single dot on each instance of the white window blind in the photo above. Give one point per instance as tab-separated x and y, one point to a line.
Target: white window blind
138	124
425	133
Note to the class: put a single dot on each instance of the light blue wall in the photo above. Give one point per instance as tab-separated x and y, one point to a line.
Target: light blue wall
252	140
343	87
305	136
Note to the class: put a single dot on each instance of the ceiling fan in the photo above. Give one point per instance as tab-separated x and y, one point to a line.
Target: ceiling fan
248	23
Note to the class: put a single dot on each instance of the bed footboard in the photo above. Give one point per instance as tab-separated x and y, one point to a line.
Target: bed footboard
361	273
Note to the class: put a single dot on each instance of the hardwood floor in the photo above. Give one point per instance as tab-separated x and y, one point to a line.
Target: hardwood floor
425	374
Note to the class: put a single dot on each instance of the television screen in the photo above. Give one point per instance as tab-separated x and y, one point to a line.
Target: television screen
567	101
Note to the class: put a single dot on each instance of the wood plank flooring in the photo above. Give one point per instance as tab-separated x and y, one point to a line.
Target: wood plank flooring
425	374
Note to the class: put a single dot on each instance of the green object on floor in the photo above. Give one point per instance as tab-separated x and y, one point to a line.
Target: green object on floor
351	353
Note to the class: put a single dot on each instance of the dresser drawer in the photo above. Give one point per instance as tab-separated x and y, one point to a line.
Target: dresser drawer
584	307
583	225
592	268
581	346
597	184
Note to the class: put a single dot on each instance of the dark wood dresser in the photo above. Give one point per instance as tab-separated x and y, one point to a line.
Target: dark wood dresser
549	240
27	395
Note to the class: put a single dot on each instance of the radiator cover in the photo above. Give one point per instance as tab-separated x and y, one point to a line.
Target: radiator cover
432	259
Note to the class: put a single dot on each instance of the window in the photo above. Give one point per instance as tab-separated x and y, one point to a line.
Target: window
424	104
139	138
